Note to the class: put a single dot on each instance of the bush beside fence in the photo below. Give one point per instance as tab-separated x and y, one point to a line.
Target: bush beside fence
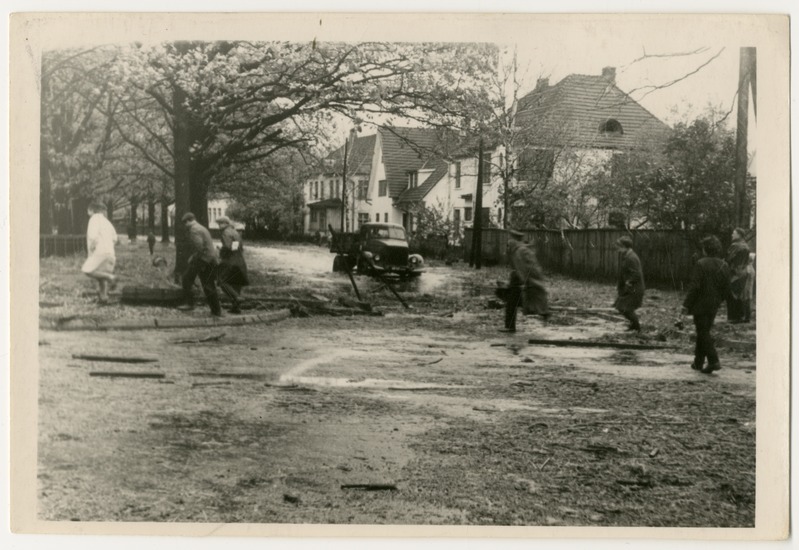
667	256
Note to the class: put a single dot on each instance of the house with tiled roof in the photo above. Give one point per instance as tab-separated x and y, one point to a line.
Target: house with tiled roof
385	170
576	127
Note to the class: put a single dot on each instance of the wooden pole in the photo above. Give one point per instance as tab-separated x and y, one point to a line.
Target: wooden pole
477	224
745	69
344	185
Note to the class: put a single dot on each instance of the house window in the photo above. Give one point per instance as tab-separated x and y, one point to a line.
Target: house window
313	216
611	127
413	179
210	214
486	167
456	220
382	189
321	190
332	186
385	217
363	187
457	175
363	217
467	214
486	217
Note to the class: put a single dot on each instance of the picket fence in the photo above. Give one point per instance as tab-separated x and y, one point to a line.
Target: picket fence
61	245
667	256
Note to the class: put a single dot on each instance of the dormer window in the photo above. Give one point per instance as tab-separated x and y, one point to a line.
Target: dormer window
611	127
413	179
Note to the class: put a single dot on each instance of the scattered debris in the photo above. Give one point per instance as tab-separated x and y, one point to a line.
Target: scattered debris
291	498
545	463
114	358
214	338
654	453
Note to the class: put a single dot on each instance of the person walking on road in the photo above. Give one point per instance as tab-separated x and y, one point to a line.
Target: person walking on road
709	287
630	285
202	263
100	240
232	271
737	260
151	242
526	287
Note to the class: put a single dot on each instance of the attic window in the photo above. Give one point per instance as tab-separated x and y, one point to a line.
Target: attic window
611	127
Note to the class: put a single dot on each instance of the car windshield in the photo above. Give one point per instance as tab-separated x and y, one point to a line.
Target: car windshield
388	233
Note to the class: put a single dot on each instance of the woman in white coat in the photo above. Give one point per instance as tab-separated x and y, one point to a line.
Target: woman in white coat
100	240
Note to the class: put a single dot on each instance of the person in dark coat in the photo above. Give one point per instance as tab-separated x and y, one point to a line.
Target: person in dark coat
151	242
202	263
630	285
232	271
526	287
737	260
709	287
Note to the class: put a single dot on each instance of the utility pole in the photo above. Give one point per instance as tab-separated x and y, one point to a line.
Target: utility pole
476	259
746	78
344	184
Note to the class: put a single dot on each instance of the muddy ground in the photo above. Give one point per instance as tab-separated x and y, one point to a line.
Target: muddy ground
421	416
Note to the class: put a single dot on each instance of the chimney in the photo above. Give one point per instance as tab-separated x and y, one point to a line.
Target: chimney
541	83
609	73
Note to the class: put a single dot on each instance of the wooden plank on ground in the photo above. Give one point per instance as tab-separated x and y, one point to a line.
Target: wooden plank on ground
594	344
114	358
112	374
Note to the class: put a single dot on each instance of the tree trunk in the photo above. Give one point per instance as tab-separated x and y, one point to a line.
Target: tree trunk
80	215
45	190
164	220
198	191
183	189
134	219
151	215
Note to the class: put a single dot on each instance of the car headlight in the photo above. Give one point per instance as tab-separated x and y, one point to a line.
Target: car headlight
367	255
377	257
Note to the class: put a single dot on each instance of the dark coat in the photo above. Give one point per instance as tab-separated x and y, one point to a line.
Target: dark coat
527	274
709	286
232	268
738	260
630	285
202	244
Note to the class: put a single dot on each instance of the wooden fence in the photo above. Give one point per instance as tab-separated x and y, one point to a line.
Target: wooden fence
61	245
667	256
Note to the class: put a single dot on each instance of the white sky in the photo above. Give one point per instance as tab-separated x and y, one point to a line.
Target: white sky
557	51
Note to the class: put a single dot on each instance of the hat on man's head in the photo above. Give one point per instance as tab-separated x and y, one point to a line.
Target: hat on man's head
188	217
625	241
223	220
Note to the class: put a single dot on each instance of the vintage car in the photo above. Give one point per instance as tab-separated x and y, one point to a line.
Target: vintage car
376	249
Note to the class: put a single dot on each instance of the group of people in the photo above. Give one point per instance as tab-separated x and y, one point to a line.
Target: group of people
225	267
713	281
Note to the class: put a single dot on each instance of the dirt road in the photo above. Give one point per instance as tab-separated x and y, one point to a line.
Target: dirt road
421	417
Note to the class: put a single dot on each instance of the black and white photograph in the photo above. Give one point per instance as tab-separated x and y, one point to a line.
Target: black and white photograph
486	271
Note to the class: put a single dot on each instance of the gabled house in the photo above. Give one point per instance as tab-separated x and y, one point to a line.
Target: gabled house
577	126
380	168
